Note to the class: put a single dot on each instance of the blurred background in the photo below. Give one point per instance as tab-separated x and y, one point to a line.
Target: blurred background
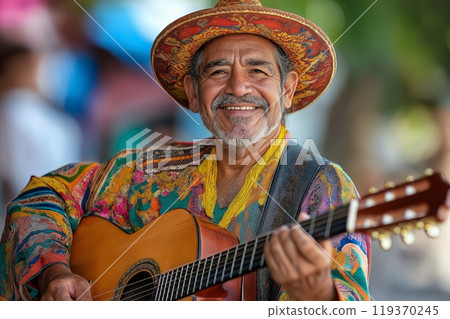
76	83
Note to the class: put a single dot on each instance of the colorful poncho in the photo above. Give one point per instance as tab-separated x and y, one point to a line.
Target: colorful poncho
132	189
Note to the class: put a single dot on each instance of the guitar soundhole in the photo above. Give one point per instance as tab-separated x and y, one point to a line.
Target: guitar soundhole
138	283
139	288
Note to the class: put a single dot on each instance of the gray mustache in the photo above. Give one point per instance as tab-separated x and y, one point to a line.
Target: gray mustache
224	100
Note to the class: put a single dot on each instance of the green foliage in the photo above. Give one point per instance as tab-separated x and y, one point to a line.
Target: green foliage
404	43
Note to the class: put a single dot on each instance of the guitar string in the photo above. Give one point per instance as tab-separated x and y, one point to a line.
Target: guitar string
191	265
170	283
227	265
204	261
121	287
177	280
150	292
319	222
139	292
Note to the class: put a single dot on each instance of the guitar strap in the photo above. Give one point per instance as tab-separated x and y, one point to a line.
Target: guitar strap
291	181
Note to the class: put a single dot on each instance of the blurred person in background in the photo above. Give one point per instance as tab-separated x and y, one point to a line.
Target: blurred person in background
111	98
35	135
68	71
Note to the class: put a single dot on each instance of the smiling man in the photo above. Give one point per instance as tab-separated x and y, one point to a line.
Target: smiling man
243	67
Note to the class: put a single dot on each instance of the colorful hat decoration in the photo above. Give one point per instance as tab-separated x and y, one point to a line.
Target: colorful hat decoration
308	47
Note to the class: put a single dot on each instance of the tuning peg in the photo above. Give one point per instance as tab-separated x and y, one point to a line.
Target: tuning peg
373	190
375	234
389	184
410	178
385	241
420	224
428	172
432	230
408	237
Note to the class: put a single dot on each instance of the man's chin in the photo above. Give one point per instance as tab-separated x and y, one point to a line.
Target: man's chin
240	137
242	141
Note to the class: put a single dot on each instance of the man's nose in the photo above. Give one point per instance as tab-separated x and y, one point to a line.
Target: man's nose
238	83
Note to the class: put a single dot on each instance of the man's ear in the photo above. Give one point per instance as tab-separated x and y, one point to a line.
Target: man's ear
191	93
289	88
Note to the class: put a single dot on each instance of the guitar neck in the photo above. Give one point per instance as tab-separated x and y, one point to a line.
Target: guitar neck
239	260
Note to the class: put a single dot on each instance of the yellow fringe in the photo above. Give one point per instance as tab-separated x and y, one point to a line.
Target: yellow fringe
208	168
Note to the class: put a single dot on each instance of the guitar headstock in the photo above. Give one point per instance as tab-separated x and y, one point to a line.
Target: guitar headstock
416	204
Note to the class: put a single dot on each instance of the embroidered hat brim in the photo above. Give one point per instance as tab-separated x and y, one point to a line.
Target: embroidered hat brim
308	47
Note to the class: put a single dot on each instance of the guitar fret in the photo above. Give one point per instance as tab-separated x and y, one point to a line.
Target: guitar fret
249	256
188	291
179	282
327	225
339	226
158	285
312	223
253	254
209	271
225	265
319	232
203	272
262	255
217	268
163	286
184	281
196	275
243	259
173	282
234	260
164	292
169	285
329	222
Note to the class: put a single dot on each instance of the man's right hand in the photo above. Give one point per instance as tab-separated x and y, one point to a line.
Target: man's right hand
57	282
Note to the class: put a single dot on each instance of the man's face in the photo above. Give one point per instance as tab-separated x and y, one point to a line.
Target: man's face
239	88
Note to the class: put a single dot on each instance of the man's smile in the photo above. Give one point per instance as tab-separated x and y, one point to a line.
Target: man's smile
239	108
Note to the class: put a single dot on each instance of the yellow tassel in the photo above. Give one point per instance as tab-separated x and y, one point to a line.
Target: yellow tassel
208	168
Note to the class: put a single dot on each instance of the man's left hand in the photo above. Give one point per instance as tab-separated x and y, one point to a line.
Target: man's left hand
300	264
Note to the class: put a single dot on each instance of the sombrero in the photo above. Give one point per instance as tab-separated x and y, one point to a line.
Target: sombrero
308	47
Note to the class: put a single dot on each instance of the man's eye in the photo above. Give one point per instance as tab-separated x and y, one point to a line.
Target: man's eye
258	71
216	72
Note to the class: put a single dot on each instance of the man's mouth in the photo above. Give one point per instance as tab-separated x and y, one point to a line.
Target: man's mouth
233	104
239	108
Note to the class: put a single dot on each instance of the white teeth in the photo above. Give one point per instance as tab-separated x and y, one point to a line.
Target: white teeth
240	108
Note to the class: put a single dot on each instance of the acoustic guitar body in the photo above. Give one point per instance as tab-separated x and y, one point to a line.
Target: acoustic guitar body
122	266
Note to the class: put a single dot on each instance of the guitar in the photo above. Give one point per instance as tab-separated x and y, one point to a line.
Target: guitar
181	256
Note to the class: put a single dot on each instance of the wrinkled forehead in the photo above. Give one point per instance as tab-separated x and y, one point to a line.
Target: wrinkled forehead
239	40
238	46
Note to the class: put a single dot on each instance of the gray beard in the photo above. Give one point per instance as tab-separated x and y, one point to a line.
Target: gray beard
235	138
